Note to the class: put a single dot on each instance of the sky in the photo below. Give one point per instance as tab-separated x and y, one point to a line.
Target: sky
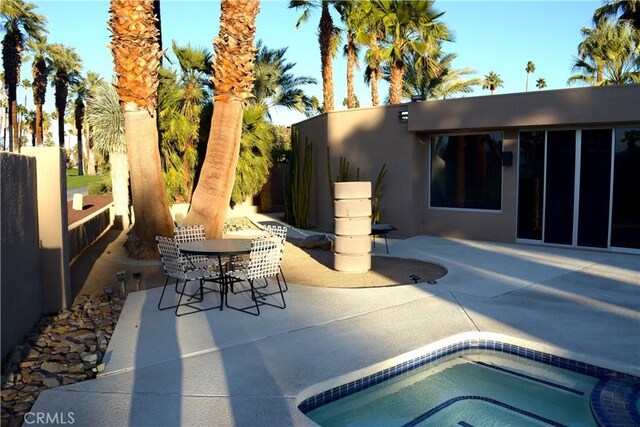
500	36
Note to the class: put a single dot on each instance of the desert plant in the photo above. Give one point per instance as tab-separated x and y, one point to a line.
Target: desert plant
298	189
378	188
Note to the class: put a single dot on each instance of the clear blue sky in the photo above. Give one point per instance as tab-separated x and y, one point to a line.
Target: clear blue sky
499	36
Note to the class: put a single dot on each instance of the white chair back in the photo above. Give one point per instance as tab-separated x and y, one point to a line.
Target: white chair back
264	259
170	257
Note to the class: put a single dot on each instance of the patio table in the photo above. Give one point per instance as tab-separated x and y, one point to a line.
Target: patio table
381	230
217	248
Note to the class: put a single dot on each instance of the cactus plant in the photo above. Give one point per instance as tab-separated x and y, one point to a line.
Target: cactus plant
298	189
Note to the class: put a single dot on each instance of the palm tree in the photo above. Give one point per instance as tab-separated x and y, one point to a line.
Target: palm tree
136	57
327	34
66	65
436	82
233	80
492	81
83	86
20	23
180	107
105	118
258	139
541	83
353	17
40	73
531	68
628	10
608	55
408	27
275	86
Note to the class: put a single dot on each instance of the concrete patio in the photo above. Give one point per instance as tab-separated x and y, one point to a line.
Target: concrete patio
229	368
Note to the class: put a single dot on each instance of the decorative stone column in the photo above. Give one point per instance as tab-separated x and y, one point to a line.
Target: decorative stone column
352	210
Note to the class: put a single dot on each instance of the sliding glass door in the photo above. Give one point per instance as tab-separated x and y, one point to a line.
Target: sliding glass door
580	187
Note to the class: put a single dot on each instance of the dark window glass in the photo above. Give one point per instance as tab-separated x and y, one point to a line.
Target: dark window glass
466	171
625	224
559	193
595	187
530	185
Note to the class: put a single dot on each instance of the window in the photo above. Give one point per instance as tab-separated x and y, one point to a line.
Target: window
466	171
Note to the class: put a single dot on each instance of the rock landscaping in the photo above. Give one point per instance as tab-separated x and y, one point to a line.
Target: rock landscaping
62	349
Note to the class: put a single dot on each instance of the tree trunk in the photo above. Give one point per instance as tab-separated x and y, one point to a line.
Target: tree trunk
120	188
91	160
326	36
60	127
14	143
375	97
395	84
80	154
351	63
150	203
210	200
39	132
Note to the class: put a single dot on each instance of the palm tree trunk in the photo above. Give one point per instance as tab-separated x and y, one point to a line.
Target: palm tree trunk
60	127
39	132
80	154
326	37
218	171
395	84
147	184
120	188
375	97
14	143
351	63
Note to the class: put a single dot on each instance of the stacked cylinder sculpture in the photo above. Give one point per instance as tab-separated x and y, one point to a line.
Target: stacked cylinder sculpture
352	210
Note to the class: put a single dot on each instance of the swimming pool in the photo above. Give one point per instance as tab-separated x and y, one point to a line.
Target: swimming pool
481	383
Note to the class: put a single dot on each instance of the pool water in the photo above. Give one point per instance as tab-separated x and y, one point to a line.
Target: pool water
469	388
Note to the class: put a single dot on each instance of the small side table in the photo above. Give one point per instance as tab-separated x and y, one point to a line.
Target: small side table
381	230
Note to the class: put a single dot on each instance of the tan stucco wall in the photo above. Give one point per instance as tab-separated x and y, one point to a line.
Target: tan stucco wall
53	226
563	107
20	281
367	138
370	137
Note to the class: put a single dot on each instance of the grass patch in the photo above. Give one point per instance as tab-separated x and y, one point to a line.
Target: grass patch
73	180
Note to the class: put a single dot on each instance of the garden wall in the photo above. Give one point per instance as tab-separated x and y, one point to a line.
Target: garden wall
20	280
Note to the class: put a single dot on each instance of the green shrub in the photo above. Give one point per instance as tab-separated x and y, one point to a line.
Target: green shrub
97	188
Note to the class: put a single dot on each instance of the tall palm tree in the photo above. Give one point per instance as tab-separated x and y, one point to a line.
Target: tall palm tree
21	23
82	87
440	82
408	27
233	80
105	118
608	55
541	83
65	66
40	73
327	34
353	17
136	55
530	68
369	31
492	81
625	10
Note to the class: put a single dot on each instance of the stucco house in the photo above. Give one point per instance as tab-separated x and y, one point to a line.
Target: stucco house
556	167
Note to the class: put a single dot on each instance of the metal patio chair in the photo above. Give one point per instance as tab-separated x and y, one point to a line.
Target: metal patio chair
192	233
279	232
175	267
264	262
